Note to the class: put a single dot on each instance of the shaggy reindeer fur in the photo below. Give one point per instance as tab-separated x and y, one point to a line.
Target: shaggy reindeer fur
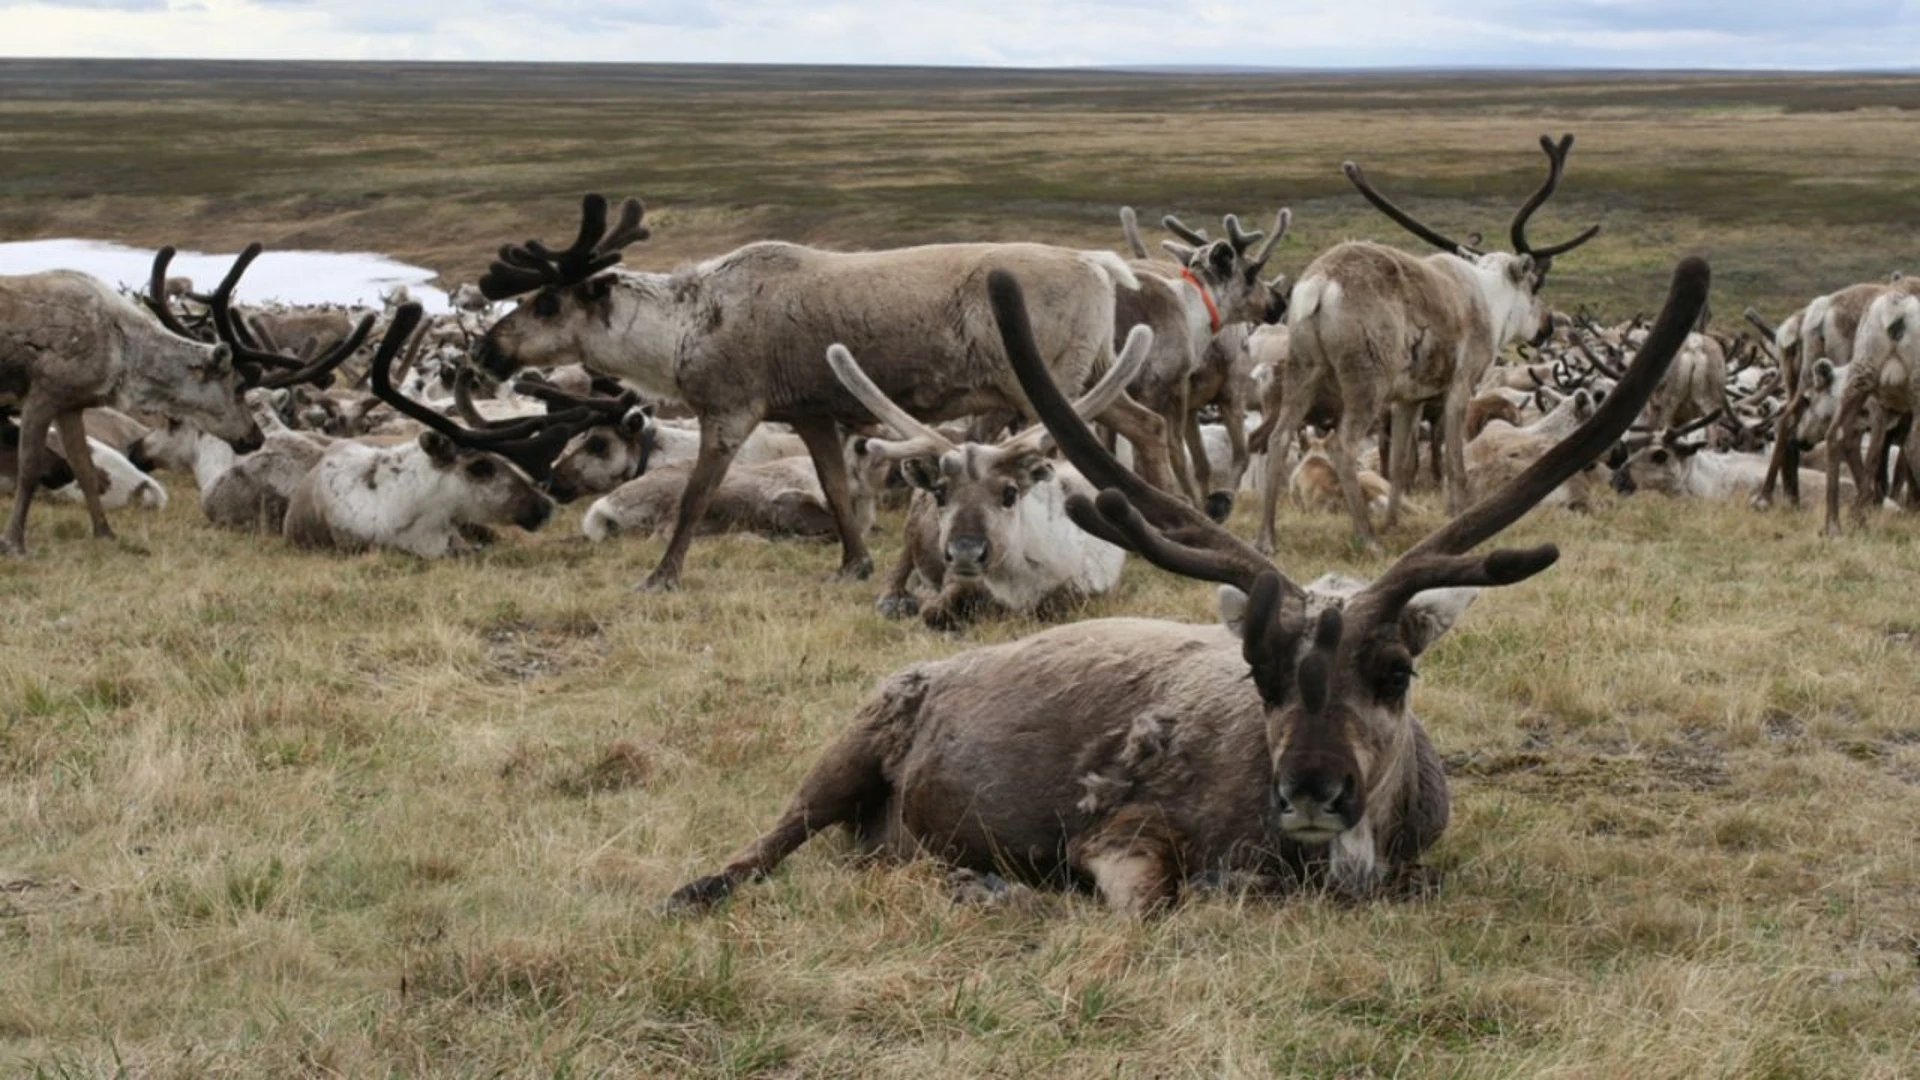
69	341
1134	754
1884	372
742	338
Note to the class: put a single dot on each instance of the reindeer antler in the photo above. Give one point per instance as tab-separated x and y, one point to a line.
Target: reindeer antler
533	265
1402	218
532	443
1556	164
1162	528
253	359
1130	225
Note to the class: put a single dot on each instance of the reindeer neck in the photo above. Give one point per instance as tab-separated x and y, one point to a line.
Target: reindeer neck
653	315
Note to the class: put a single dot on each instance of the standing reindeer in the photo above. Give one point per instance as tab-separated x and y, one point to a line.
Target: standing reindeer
742	338
1392	331
1136	754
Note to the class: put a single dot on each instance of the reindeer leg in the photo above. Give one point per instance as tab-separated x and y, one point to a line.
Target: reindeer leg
1870	481
720	439
1131	859
1404	422
822	437
1285	421
1777	463
1842	443
1234	413
35	419
897	600
1175	417
1196	444
1146	430
845	787
73	438
1346	463
1453	443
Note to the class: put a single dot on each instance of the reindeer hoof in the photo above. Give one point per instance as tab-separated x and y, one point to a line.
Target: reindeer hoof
857	570
1264	545
1219	506
699	896
943	619
898	606
660	581
1760	502
10	548
103	532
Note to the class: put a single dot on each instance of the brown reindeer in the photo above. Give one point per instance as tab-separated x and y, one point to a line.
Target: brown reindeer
1393	331
1136	754
742	338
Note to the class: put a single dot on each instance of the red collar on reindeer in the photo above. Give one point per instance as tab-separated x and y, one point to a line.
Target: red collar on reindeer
1213	309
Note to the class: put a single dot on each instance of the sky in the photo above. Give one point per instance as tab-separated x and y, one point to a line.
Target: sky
1794	34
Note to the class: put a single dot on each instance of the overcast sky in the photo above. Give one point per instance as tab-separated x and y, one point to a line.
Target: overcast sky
1282	33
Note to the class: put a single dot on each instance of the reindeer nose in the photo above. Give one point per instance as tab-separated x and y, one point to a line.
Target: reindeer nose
967	552
253	440
1319	794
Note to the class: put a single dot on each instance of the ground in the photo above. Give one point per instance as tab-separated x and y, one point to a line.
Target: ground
271	813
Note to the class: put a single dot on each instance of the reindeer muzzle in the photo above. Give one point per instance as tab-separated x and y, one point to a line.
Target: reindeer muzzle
248	443
1623	481
967	555
537	513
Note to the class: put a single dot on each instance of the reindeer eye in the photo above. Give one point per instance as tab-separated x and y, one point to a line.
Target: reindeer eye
1659	457
480	469
1010	495
1394	684
597	446
546	303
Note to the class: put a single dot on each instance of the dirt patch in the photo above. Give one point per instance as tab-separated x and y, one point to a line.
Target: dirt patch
520	650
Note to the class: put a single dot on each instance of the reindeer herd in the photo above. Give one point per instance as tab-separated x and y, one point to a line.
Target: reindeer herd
788	390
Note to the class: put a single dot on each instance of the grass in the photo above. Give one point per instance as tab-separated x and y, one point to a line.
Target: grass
265	813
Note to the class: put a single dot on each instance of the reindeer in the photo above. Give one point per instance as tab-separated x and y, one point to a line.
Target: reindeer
69	341
781	497
741	339
1502	451
1885	365
427	496
1213	287
245	492
1672	464
56	475
988	528
1136	754
1393	331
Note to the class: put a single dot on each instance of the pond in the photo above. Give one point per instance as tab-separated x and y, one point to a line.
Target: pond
295	277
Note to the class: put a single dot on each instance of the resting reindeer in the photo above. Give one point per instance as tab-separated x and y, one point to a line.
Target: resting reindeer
69	341
425	495
776	498
741	339
1672	463
1393	331
1136	754
988	528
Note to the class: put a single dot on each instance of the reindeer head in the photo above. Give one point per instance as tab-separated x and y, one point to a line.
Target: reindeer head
981	491
1515	278
487	487
1658	462
605	456
568	294
1819	403
1335	667
1230	269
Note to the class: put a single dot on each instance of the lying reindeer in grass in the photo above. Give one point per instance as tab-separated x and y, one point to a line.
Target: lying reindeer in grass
1135	754
428	496
988	529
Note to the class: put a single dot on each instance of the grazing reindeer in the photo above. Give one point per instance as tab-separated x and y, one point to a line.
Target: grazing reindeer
1136	753
742	338
1393	331
424	496
988	528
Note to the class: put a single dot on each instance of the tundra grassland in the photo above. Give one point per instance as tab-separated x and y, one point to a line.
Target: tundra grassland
268	813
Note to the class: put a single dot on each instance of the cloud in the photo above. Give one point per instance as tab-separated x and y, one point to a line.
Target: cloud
1291	33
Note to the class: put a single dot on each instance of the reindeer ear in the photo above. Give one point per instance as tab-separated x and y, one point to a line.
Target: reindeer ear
1897	328
1520	268
1823	375
438	447
1038	467
1428	617
1220	257
1233	610
598	288
1688	449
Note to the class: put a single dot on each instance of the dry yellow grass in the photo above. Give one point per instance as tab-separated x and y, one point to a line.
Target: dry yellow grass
271	814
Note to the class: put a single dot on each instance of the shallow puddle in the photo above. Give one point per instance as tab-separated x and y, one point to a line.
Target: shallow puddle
295	277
